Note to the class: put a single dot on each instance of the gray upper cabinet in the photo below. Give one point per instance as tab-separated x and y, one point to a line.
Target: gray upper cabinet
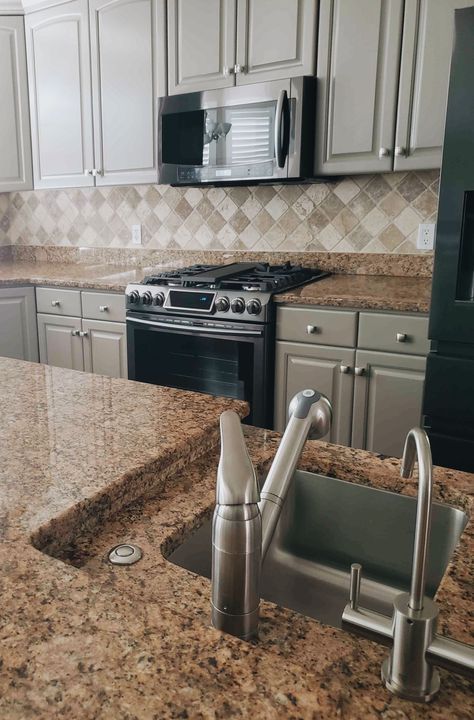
18	336
424	78
15	148
201	44
357	70
57	41
275	39
127	38
219	43
387	400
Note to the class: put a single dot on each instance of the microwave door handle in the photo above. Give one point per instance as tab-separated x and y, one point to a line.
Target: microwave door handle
282	129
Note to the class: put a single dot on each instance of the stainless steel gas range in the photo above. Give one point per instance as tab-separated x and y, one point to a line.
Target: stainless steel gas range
210	329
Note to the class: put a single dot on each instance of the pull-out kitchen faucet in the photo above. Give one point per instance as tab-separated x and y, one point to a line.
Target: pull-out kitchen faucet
409	670
244	521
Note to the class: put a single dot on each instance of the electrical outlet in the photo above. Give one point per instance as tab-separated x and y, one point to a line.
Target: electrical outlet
426	236
136	234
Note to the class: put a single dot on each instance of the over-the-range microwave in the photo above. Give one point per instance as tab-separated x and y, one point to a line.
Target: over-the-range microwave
259	132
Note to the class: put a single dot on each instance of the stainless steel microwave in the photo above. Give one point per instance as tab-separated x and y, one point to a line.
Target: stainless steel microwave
259	132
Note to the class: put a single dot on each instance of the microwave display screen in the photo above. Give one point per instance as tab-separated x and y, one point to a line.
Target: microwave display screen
190	300
220	137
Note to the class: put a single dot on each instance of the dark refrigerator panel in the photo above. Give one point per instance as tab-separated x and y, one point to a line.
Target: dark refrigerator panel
448	404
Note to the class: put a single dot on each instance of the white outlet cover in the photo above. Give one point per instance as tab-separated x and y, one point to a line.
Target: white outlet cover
136	234
426	236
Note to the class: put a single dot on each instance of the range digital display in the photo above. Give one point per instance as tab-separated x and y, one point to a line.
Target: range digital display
190	300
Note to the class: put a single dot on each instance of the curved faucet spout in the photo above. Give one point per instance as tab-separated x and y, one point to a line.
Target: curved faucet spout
417	446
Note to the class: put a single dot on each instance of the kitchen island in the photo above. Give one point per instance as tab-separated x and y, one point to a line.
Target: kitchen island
86	460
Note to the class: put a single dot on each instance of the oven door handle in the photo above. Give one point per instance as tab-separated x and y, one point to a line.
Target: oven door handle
193	328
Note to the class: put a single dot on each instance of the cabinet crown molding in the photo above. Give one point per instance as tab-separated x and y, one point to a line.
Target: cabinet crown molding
21	7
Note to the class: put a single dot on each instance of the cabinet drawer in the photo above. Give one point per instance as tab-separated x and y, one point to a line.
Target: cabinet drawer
57	301
103	306
405	334
321	327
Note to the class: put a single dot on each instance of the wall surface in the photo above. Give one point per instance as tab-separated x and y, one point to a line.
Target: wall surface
365	213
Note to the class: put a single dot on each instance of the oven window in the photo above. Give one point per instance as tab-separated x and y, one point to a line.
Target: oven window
226	136
203	364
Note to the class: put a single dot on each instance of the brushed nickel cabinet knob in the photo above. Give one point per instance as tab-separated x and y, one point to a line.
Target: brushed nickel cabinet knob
400	151
55	303
359	371
312	329
103	308
344	369
83	333
384	152
402	337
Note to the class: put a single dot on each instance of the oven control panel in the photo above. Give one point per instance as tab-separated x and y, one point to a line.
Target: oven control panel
237	305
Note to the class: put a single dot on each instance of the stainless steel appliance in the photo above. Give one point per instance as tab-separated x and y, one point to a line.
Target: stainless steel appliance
210	329
448	406
242	134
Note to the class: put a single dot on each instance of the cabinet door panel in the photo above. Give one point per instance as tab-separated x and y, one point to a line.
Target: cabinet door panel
424	78
301	366
276	39
387	400
105	348
15	147
57	344
124	34
201	44
18	336
357	69
57	42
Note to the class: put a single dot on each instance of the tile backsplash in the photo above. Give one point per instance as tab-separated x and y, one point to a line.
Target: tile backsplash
364	213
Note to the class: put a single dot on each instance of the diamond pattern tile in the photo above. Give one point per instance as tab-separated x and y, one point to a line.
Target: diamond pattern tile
370	213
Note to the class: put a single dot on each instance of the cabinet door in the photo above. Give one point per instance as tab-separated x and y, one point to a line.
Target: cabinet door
15	146
57	42
59	341
105	348
358	65
387	400
18	336
276	39
326	369
201	45
126	38
424	77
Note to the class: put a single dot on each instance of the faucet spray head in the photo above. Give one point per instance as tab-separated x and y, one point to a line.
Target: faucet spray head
315	406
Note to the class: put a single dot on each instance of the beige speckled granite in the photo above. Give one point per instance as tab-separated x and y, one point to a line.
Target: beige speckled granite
99	642
410	294
420	265
375	292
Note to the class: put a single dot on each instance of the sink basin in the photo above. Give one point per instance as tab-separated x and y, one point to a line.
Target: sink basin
326	525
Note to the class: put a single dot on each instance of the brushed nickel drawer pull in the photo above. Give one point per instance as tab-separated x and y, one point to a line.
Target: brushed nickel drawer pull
312	329
344	369
402	337
359	371
55	303
103	308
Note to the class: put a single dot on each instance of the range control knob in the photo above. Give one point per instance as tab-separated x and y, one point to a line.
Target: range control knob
159	299
222	304
147	298
254	307
133	297
238	305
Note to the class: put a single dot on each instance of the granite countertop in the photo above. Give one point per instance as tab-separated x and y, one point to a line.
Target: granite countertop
373	292
86	462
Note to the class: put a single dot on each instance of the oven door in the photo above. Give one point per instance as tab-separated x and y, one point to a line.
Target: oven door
234	362
236	134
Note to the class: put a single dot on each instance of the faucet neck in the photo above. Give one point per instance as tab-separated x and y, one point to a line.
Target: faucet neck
417	445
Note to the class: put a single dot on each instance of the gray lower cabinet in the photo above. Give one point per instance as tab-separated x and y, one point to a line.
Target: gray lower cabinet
388	392
18	336
59	341
105	348
327	369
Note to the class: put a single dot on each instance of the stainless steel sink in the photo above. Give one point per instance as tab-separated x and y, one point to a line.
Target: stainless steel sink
326	525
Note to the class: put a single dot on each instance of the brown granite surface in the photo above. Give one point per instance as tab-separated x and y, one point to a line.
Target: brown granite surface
85	640
400	265
377	292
